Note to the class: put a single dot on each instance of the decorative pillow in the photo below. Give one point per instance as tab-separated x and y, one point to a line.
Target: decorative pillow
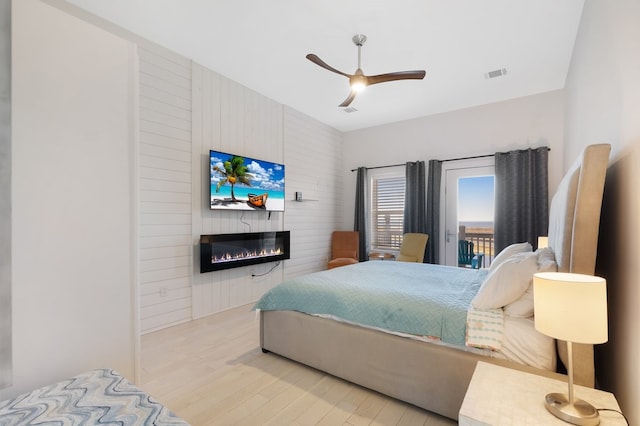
507	282
548	266
509	251
546	260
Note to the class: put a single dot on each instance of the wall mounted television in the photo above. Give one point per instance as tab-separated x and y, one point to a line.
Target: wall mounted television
242	183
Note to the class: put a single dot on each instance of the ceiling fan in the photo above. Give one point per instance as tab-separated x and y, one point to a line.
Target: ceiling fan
358	81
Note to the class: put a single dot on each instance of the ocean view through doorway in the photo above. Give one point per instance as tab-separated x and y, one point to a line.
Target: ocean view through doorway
476	197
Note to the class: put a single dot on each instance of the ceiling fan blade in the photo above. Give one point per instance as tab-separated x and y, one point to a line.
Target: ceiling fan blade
401	75
314	58
349	99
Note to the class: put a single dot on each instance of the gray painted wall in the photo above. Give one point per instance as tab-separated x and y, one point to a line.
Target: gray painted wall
5	191
603	105
68	316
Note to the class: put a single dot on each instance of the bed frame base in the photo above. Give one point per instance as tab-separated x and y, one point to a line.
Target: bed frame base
430	376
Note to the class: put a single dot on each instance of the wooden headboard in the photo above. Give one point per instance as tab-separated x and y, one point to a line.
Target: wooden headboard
574	221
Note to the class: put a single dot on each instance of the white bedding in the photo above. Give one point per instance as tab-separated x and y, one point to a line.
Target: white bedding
522	343
471	310
526	345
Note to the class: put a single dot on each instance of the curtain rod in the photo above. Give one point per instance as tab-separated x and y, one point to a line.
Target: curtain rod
442	161
381	167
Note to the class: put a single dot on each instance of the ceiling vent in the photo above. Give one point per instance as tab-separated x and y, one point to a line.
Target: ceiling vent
496	73
349	110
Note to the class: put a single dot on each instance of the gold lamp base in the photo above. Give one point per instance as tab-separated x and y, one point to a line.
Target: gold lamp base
579	413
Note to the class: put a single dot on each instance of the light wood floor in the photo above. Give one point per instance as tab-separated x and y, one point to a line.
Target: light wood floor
212	372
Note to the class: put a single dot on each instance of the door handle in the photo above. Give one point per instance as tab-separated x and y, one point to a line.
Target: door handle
449	234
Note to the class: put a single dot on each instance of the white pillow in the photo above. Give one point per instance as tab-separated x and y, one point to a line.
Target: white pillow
523	306
507	282
509	251
546	260
546	253
548	266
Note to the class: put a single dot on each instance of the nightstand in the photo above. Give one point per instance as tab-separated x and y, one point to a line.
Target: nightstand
503	396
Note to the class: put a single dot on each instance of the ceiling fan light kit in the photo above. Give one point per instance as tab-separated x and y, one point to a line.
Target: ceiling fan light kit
358	80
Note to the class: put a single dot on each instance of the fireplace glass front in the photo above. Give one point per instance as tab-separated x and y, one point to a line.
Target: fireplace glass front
225	251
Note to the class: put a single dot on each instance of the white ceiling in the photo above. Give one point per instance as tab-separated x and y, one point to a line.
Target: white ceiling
262	45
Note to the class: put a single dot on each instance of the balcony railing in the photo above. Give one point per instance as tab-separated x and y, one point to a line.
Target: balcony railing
482	239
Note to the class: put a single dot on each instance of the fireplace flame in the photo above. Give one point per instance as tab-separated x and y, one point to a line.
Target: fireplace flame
230	257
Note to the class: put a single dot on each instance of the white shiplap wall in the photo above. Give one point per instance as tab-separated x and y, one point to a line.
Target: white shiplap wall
313	158
231	118
164	173
186	110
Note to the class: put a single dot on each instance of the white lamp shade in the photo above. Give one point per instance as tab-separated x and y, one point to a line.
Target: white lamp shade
571	307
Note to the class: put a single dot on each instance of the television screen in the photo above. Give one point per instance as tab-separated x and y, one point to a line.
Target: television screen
243	183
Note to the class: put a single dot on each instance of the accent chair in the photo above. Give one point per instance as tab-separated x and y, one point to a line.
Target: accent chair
413	247
344	248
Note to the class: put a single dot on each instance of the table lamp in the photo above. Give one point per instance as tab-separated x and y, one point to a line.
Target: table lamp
543	242
573	308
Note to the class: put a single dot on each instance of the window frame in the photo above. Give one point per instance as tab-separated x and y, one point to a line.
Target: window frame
395	235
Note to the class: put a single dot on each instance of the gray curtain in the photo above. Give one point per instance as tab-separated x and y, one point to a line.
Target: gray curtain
522	197
415	215
432	254
360	217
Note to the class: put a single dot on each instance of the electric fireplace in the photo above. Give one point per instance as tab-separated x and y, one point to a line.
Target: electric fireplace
225	251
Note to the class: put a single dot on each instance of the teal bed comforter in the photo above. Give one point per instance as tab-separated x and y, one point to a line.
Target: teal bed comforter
412	298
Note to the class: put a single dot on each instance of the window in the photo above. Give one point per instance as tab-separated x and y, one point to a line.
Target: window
387	209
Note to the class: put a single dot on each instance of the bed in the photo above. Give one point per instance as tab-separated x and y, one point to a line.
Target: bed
100	396
435	375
